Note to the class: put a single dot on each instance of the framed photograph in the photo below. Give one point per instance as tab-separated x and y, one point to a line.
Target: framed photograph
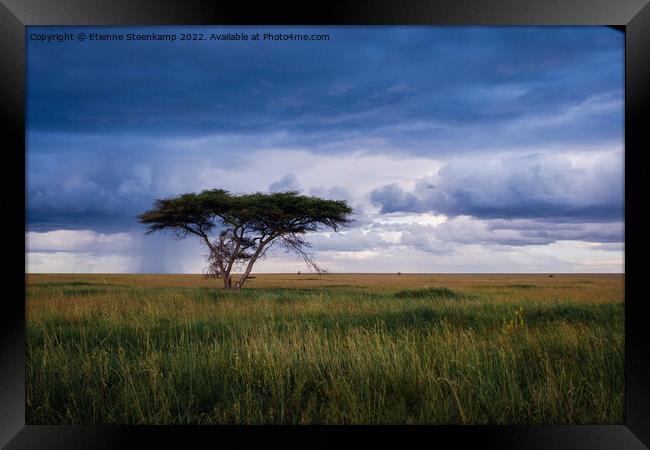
396	221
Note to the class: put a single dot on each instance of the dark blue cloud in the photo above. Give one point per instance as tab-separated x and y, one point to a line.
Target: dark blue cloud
392	198
362	81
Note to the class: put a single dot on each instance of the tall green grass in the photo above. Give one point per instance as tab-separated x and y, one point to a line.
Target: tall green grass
107	354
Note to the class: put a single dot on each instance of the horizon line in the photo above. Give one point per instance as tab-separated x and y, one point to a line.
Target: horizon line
336	273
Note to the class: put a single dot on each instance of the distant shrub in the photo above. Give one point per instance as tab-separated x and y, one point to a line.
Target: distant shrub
434	292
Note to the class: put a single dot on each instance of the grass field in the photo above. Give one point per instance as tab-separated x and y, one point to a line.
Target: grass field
330	349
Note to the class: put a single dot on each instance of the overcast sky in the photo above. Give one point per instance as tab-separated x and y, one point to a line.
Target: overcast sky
460	149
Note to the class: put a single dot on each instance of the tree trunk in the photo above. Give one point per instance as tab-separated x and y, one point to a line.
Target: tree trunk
249	267
227	282
222	272
245	275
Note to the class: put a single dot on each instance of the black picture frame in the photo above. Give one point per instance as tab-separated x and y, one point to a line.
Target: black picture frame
631	17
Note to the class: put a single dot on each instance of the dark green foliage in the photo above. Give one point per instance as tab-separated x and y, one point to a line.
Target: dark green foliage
279	213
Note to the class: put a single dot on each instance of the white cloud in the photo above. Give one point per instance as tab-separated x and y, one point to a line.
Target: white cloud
78	241
78	262
507	186
356	172
397	248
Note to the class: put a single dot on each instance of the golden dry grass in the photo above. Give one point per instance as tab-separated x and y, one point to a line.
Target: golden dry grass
585	286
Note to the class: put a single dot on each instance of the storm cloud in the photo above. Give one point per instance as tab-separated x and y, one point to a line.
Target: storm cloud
573	187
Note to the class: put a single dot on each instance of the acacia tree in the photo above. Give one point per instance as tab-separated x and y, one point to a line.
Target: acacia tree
239	229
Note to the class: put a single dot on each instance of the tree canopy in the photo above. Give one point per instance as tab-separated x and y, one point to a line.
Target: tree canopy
239	229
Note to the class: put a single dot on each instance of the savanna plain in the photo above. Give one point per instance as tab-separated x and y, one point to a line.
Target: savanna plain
325	349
